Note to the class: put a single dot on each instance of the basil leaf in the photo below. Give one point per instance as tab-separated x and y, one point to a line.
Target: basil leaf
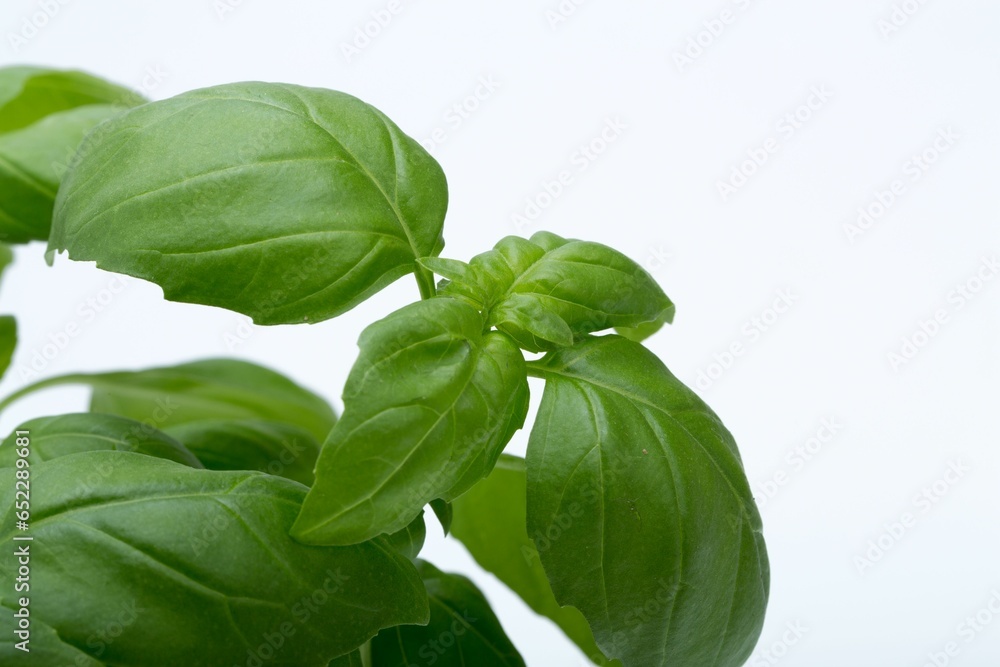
428	407
287	204
45	645
490	521
272	447
643	331
641	512
195	567
8	341
28	94
32	163
208	389
546	291
52	437
444	512
410	540
463	630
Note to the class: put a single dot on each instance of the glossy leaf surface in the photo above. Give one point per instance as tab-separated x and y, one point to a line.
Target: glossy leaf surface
428	407
285	203
33	161
195	567
546	291
208	389
641	512
52	437
490	521
28	94
463	630
276	448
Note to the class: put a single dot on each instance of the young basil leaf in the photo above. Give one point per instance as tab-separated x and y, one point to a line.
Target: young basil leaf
463	630
410	540
641	511
444	512
28	94
548	290
52	437
459	281
8	341
273	447
46	647
490	521
32	163
208	389
196	568
428	407
287	204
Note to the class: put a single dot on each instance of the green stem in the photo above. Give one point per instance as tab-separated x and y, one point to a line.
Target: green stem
366	654
42	384
425	281
535	370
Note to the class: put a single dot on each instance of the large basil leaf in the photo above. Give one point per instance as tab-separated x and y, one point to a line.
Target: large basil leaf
52	437
208	389
285	203
32	163
46	647
428	407
641	512
463	630
490	521
549	290
272	447
195	567
8	341
28	94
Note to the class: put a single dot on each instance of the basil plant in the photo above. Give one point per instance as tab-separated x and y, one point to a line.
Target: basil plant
217	513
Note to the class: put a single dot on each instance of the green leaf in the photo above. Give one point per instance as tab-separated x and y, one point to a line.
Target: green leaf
640	509
490	521
546	291
8	341
195	567
32	163
44	115
428	407
52	437
410	540
444	512
287	204
28	94
272	447
46	646
208	389
643	331
463	630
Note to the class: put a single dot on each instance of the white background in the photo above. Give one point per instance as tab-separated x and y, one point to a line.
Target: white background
653	193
